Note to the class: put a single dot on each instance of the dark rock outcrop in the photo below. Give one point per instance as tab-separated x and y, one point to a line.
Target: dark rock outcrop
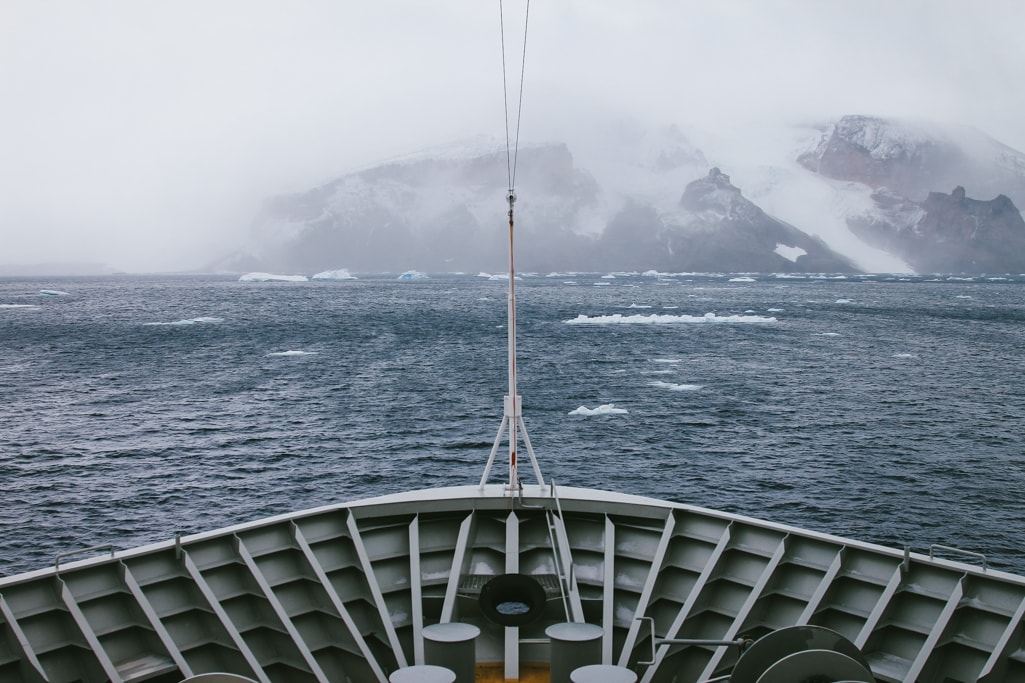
718	229
907	165
916	159
432	212
947	233
878	153
444	212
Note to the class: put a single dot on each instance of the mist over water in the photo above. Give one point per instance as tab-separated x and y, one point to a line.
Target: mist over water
887	411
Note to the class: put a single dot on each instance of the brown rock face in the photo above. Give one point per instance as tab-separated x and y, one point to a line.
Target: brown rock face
876	153
948	233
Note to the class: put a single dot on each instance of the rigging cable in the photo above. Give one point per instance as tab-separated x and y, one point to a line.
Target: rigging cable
512	147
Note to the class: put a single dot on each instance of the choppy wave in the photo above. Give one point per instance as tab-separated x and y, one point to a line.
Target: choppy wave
118	432
677	387
202	320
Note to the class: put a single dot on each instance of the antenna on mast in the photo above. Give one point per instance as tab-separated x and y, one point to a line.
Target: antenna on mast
512	419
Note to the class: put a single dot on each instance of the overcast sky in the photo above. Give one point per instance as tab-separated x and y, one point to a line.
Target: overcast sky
145	133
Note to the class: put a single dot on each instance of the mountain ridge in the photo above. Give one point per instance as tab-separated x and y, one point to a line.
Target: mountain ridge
654	200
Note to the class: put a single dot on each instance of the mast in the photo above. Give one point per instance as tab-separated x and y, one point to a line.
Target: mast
513	396
512	418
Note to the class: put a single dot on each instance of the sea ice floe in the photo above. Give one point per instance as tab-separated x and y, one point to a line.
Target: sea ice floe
618	318
604	409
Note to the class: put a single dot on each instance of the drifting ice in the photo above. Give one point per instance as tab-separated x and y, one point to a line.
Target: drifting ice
604	409
618	318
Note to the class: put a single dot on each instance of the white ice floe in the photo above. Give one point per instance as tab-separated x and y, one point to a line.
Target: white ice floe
619	319
604	409
292	353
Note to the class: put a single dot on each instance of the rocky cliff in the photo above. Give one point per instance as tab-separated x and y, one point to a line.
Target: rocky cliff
445	211
715	228
916	158
906	165
947	233
865	194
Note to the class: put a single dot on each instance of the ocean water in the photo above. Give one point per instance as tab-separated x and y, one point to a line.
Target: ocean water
886	410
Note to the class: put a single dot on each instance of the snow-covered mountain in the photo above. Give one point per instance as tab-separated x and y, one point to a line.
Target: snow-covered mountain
650	198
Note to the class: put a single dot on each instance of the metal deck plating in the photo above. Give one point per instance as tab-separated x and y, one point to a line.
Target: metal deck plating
344	592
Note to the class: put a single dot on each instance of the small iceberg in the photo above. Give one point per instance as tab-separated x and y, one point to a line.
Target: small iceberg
52	292
292	353
271	277
413	275
604	409
742	279
340	274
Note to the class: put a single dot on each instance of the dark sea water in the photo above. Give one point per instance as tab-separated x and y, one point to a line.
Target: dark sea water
888	411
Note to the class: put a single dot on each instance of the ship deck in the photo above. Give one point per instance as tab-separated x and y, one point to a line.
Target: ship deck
529	673
346	592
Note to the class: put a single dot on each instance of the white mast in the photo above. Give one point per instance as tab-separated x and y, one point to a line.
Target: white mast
513	414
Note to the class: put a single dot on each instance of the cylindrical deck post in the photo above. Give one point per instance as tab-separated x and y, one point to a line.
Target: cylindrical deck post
603	673
452	645
574	645
423	673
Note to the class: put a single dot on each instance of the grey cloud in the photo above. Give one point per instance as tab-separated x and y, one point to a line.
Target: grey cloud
146	134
